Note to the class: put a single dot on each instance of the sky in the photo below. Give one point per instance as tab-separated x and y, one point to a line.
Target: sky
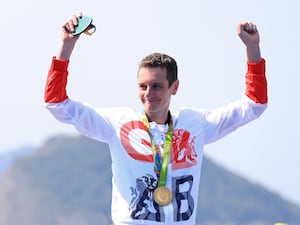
200	35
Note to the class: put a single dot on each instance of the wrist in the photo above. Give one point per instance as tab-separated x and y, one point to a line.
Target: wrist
65	50
253	53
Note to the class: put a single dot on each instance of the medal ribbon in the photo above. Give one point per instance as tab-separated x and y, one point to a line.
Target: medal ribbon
161	163
90	29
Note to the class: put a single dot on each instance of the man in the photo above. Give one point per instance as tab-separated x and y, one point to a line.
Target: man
156	155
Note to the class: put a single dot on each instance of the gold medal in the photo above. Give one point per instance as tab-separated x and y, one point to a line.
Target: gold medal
162	196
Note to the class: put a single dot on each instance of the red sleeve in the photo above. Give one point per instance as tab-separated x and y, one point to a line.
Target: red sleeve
256	82
55	90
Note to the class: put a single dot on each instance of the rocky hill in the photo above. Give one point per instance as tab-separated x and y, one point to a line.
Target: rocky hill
68	181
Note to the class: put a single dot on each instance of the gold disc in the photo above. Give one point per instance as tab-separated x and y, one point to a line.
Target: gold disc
162	196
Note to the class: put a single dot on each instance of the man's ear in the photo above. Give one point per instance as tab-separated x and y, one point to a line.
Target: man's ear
175	87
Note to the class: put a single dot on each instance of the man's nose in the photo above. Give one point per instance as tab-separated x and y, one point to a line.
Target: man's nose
148	91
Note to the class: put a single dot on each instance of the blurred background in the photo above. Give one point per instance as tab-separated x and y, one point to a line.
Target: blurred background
200	35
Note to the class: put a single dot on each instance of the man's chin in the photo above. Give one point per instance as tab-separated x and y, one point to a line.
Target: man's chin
151	110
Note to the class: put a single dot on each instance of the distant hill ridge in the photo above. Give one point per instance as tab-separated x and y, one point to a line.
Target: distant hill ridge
7	158
67	181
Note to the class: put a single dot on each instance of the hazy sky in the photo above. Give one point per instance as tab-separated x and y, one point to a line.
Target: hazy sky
201	35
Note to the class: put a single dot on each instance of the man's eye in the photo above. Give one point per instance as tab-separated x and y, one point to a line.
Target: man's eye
142	87
157	86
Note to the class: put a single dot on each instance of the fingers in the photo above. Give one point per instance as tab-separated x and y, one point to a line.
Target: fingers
70	25
247	27
250	28
248	33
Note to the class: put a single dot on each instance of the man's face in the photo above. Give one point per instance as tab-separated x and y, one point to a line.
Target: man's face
155	93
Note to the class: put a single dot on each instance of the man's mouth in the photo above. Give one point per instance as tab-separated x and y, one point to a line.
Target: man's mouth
150	100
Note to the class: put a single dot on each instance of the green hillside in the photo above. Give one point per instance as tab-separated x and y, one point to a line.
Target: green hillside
67	181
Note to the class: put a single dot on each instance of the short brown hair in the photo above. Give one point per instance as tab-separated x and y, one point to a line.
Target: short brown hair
163	61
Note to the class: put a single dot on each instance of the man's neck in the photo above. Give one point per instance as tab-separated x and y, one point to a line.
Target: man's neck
165	119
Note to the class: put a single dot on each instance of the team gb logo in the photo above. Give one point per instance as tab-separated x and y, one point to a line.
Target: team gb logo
133	139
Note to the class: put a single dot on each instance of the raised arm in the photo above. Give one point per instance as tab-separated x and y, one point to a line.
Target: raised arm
256	82
55	89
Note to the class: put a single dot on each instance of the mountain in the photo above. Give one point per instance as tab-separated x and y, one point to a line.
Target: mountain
67	181
7	158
